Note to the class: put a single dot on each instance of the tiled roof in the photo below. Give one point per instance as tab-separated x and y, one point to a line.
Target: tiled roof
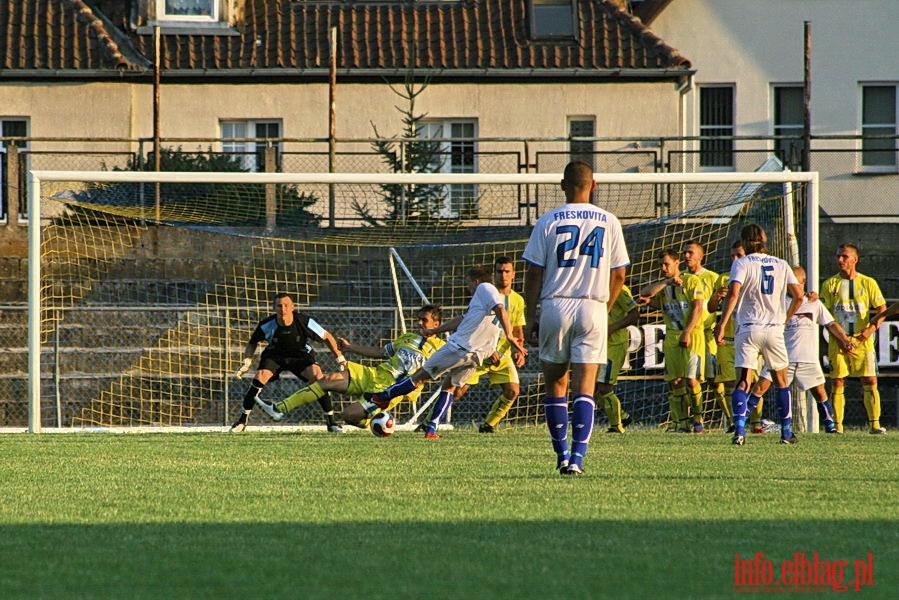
470	36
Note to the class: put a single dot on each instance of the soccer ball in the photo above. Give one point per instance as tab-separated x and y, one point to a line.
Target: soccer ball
382	424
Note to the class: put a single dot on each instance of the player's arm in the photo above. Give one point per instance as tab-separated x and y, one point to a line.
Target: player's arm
695	319
846	343
730	302
248	352
629	319
616	282
717	296
878	319
533	284
796	294
331	342
367	351
518	332
446	326
651	290
875	318
503	316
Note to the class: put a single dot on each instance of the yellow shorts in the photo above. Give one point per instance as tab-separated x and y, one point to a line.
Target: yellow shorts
504	372
724	369
861	362
684	362
372	379
608	372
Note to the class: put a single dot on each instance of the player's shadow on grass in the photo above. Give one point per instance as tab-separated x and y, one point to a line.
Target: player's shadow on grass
378	558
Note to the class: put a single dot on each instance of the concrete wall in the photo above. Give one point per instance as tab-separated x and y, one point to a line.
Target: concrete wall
756	44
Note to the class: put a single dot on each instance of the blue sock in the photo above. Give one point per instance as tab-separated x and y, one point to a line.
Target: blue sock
738	402
582	410
400	388
556	410
440	405
752	401
825	411
785	409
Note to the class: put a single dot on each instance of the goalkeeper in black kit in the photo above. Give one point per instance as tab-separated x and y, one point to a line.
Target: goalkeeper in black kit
287	333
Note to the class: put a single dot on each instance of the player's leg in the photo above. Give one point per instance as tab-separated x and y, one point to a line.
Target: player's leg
774	351
871	399
454	378
583	409
863	364
314	373
267	369
694	376
824	407
555	408
504	376
606	378
725	380
839	370
588	351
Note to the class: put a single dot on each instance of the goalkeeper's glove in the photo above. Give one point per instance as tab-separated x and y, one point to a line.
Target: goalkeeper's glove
341	362
244	367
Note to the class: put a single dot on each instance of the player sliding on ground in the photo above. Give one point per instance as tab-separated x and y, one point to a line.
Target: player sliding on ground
475	338
404	355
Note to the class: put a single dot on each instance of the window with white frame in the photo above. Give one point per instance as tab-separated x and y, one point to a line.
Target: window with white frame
188	10
788	118
878	119
456	154
248	139
581	127
716	119
552	18
10	128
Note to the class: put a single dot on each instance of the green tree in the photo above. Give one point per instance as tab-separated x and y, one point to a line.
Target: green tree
202	203
412	205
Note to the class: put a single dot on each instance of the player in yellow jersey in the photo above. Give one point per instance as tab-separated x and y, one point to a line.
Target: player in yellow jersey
404	355
625	312
502	366
693	258
683	303
855	301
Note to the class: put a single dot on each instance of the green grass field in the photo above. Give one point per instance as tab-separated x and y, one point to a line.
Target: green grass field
312	515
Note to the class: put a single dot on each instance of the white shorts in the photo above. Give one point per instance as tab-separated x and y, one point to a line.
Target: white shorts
807	375
459	363
573	330
767	342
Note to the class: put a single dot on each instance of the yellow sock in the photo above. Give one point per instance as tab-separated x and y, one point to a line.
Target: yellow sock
839	406
724	403
676	407
499	410
694	397
871	399
613	410
304	395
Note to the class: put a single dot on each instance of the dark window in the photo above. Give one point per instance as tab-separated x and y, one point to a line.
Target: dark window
552	18
879	119
581	150
788	121
716	119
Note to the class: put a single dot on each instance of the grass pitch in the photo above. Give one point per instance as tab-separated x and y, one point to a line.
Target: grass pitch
312	515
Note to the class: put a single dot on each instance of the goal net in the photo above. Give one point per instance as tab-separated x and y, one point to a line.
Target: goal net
144	288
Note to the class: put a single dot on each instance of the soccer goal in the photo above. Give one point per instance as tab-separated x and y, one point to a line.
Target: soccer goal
144	287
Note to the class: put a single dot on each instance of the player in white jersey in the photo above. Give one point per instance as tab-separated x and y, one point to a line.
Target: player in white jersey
476	333
577	261
801	338
758	284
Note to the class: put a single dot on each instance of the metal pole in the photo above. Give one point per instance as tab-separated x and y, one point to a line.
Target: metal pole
332	126
807	100
34	304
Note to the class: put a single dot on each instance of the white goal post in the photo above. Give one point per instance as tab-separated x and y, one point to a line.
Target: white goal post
808	221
